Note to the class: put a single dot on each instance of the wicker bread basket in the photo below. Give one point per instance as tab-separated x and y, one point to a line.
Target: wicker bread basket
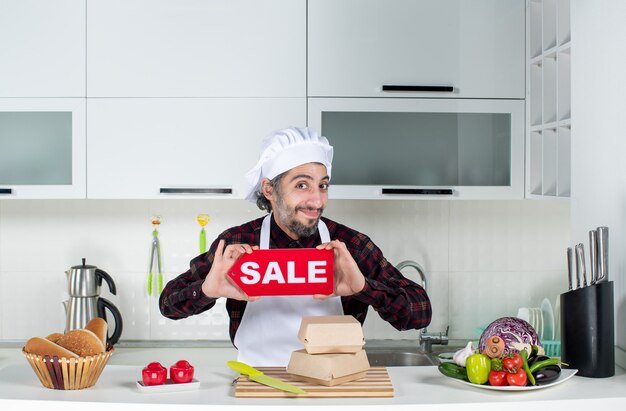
68	373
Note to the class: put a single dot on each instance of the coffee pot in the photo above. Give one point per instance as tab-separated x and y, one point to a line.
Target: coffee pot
85	303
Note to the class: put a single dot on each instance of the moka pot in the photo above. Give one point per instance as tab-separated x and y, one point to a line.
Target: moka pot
85	303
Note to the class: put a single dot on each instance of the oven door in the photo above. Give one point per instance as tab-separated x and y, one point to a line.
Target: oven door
423	148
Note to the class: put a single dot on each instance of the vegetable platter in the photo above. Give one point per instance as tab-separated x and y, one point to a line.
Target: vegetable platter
509	357
565	375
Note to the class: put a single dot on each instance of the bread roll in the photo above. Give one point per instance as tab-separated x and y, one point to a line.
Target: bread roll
43	347
54	337
82	342
99	327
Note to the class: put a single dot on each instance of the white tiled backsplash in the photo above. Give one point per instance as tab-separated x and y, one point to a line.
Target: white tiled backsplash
483	259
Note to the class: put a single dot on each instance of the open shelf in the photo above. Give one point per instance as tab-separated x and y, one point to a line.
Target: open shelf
534	32
548	99
536	102
549	88
563	173
563	34
549	172
549	24
563	75
536	160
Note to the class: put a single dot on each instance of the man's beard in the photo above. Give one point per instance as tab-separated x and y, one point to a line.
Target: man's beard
287	217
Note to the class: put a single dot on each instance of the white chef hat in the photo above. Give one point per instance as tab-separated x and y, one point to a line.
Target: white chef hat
285	149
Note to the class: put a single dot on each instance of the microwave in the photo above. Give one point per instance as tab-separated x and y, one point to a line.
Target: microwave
407	148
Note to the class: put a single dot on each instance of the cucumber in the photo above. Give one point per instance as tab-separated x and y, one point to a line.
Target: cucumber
452	370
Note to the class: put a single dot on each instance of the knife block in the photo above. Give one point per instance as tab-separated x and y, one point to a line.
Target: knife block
588	330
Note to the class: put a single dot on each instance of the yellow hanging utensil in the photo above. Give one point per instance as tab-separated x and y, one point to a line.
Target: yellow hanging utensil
203	220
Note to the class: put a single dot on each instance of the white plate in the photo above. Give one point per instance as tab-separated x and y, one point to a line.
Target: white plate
557	318
524	314
548	319
565	375
540	323
169	386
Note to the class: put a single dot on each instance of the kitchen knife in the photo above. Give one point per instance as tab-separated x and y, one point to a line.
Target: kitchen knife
580	265
257	376
603	254
570	266
593	256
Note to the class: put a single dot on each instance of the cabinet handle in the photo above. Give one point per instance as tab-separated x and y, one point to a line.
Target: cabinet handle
444	89
168	190
419	191
6	191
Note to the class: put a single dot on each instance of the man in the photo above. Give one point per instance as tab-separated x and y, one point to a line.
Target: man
291	182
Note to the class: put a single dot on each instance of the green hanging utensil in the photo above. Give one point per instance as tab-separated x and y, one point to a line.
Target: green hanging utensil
155	254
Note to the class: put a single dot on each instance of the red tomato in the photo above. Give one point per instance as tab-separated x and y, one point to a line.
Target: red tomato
154	374
512	363
498	378
181	372
519	378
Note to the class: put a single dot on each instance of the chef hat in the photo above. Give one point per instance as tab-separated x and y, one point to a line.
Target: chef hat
285	149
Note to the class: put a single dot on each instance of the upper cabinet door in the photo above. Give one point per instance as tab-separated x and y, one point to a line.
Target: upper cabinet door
42	48
476	48
196	48
155	148
42	148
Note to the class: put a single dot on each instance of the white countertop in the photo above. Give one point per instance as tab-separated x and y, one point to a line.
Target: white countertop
415	388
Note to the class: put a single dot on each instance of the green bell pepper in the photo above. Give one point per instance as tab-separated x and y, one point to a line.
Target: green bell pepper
478	367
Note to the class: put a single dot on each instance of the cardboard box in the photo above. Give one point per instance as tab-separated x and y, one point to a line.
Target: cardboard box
328	369
330	334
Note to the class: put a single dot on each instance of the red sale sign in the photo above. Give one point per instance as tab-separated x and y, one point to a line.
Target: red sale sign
285	271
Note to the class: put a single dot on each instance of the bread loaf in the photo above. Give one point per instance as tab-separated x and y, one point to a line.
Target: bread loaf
43	347
82	342
54	337
99	327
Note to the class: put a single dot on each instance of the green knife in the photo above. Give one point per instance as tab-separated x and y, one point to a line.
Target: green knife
257	376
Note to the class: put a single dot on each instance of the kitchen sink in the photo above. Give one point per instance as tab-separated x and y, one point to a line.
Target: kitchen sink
407	353
394	358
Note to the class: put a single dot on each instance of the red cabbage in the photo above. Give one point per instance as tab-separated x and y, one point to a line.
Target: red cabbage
512	330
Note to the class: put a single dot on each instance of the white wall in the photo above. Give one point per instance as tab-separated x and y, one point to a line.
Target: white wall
599	137
483	259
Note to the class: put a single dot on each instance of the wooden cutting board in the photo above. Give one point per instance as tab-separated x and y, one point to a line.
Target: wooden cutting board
375	384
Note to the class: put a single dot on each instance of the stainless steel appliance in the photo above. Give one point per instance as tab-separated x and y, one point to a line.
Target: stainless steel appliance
85	303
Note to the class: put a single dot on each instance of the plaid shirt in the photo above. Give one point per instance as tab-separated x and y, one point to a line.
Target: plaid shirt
398	300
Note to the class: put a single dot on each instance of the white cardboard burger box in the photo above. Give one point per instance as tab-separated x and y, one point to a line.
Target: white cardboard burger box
328	369
330	334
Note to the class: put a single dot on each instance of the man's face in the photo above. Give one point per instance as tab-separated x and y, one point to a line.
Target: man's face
299	202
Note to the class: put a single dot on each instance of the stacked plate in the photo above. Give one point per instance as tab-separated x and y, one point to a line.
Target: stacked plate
541	319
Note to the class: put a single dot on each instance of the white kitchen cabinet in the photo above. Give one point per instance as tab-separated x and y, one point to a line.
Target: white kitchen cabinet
42	148
476	48
180	148
548	100
42	48
196	48
411	148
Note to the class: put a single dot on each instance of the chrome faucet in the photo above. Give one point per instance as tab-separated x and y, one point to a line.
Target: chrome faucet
426	340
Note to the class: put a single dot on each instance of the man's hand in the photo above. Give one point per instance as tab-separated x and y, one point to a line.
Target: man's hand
348	277
217	283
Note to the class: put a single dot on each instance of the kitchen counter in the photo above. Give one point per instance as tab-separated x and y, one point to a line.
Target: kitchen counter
416	388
